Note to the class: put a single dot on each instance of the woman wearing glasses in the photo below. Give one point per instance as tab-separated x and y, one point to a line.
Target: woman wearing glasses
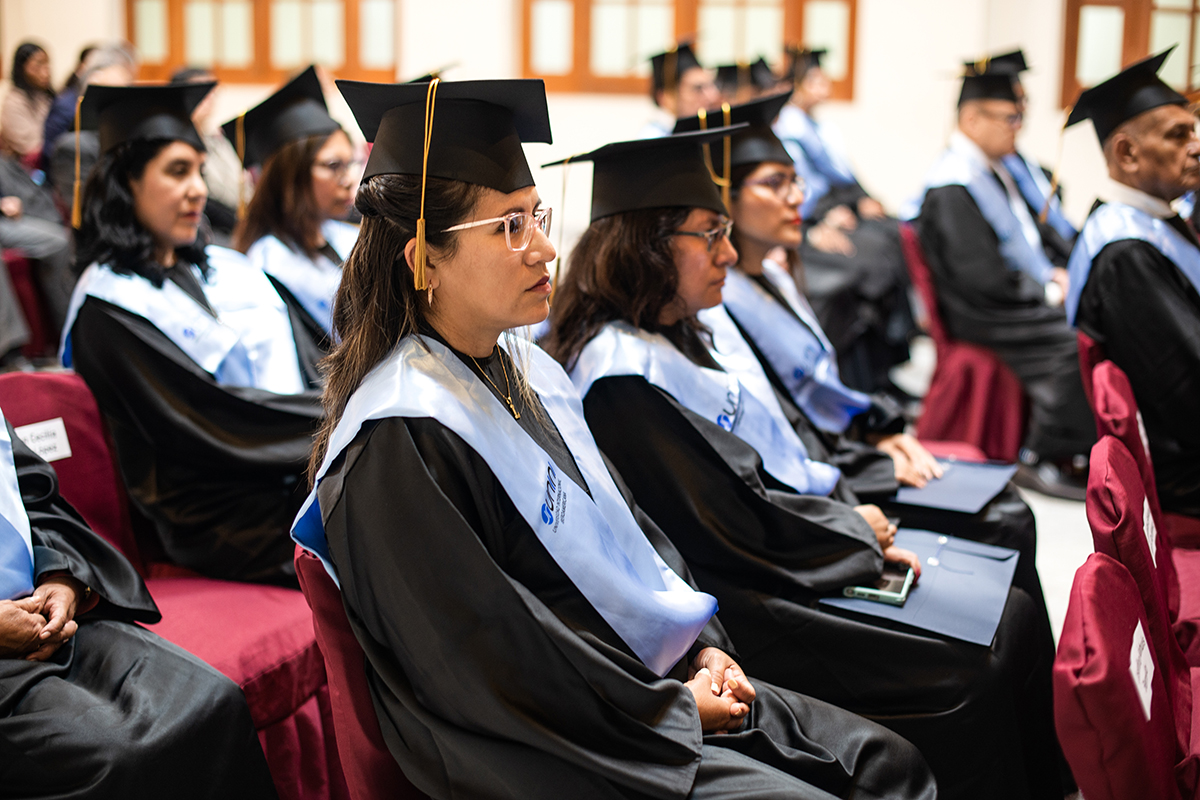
523	636
292	230
766	528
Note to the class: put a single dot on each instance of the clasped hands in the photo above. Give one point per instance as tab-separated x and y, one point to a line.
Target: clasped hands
914	465
35	627
885	534
723	695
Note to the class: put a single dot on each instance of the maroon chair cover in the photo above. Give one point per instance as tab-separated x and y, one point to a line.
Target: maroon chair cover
371	771
1118	513
261	637
959	451
973	397
43	341
1116	751
1090	354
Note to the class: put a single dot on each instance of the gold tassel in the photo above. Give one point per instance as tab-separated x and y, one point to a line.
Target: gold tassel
241	154
76	208
727	184
420	283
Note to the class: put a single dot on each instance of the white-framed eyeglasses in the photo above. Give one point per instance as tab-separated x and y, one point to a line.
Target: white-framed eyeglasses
518	227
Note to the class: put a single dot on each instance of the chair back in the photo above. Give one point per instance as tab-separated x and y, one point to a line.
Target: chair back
371	771
85	463
922	281
1112	713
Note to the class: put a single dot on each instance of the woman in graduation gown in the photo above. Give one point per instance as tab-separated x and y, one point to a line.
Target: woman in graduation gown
91	704
292	230
862	435
188	350
767	530
523	639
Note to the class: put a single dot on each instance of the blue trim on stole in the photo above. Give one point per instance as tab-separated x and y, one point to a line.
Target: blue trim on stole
16	541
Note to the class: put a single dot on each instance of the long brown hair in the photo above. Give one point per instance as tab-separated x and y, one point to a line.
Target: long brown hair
283	203
623	268
376	304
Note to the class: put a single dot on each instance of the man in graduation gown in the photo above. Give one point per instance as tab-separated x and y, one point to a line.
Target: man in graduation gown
680	86
91	704
1135	275
999	286
853	266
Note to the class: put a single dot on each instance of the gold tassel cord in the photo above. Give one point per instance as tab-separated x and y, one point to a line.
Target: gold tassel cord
241	154
76	208
420	283
727	183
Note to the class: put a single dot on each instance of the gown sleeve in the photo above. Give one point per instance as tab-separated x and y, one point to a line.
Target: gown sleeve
63	542
486	664
218	469
708	492
1147	315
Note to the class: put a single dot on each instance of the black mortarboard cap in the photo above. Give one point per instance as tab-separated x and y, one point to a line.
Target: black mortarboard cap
1134	90
1005	63
802	60
732	77
667	68
989	86
125	113
753	145
653	173
296	111
478	128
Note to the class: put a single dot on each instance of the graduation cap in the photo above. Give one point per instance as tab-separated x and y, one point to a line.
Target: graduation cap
667	68
732	77
1004	64
653	173
754	144
125	113
804	59
988	86
1133	91
468	131
296	111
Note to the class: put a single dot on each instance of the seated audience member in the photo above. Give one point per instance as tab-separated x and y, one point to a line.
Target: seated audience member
470	520
679	87
14	330
292	230
744	81
999	286
1135	274
92	705
188	350
766	316
222	167
61	117
853	266
23	114
109	65
761	526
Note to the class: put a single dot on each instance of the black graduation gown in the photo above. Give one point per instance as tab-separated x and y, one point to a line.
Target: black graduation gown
981	717
219	470
116	711
861	300
981	300
1146	313
312	342
493	676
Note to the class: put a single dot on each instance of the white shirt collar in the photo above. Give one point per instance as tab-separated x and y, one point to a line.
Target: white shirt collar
1115	192
964	146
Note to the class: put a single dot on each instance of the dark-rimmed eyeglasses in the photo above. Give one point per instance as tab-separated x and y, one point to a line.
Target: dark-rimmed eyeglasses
711	237
518	227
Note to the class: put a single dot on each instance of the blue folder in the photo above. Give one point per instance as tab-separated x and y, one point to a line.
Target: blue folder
961	593
964	486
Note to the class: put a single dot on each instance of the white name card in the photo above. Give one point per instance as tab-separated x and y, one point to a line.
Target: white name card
1141	667
48	439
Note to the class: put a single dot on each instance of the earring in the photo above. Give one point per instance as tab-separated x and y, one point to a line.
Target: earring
429	296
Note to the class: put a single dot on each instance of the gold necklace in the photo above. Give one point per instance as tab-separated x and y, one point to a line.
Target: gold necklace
508	395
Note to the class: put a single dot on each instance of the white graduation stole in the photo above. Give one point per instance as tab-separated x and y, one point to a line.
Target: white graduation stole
16	543
595	540
248	343
1113	222
620	349
796	349
313	282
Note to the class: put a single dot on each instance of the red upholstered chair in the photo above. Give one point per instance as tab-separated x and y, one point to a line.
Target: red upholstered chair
1118	745
973	397
371	771
958	451
261	637
43	341
1090	354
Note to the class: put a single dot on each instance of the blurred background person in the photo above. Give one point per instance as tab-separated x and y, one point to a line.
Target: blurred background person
23	114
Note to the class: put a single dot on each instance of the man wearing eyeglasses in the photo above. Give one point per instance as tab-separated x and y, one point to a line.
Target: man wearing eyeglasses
1000	286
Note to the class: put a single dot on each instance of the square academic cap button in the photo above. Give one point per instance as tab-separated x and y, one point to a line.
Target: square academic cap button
653	173
667	68
754	144
1002	64
1133	91
125	113
478	128
296	111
